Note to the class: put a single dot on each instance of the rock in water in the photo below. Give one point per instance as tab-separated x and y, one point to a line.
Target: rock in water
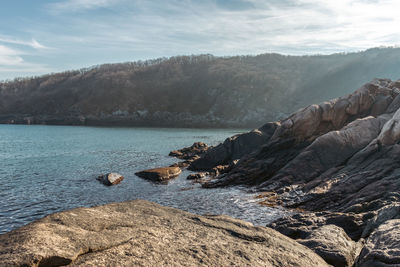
160	174
189	153
110	178
196	176
141	233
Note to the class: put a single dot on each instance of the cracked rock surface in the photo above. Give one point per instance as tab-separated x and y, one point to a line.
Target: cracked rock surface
142	233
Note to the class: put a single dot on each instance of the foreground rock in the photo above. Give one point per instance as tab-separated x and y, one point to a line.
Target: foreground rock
110	178
160	174
141	233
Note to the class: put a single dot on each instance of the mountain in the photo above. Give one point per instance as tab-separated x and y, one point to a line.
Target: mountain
192	91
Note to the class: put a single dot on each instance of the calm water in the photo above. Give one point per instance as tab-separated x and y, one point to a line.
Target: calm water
45	169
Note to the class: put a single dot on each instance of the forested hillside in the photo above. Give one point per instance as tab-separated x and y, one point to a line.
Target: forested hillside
240	91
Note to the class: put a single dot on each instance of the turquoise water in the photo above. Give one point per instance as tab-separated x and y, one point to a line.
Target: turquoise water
45	169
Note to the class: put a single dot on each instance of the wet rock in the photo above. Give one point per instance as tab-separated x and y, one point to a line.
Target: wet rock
160	174
197	176
181	164
382	248
141	233
110	178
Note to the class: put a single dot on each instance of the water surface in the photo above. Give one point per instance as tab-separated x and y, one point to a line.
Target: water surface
45	169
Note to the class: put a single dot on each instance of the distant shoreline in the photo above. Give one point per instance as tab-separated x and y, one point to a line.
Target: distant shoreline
121	122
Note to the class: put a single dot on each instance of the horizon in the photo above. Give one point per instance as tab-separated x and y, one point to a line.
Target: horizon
53	36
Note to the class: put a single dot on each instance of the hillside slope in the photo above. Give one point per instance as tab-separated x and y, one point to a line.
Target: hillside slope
192	90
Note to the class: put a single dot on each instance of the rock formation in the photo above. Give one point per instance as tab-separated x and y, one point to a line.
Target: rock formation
160	174
141	233
110	178
337	162
190	153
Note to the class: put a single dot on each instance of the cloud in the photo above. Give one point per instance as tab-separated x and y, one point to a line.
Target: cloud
101	31
9	56
239	26
11	61
79	5
33	43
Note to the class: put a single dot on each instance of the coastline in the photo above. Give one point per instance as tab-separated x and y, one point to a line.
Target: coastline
167	121
335	163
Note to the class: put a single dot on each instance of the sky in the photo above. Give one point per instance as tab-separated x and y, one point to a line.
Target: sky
41	36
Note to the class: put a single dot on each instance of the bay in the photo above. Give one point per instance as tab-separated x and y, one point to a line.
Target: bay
46	169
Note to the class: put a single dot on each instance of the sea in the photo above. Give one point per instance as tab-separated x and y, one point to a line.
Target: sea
46	169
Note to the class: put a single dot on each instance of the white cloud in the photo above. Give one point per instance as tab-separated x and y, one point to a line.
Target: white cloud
33	43
79	5
11	61
140	29
9	56
292	26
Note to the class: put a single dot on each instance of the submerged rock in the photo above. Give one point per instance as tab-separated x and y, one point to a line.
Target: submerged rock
160	174
110	178
141	233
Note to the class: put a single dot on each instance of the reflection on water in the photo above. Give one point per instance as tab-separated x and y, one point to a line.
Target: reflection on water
45	169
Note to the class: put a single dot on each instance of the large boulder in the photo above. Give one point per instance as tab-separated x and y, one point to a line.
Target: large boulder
141	233
160	174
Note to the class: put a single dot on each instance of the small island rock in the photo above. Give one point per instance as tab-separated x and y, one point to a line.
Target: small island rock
110	178
160	174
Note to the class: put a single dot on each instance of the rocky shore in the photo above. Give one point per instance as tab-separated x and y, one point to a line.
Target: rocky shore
336	163
141	233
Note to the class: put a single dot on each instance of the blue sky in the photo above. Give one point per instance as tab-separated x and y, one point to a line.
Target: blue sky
40	36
